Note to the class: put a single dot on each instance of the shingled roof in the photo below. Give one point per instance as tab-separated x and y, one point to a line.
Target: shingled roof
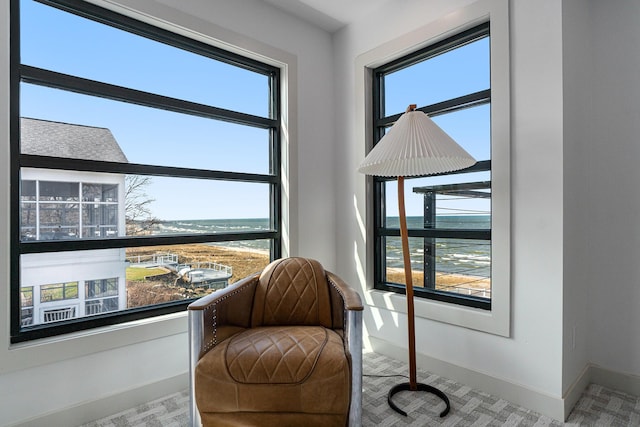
45	138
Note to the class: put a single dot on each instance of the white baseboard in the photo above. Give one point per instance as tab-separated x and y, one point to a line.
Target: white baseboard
572	395
551	406
594	374
85	412
626	383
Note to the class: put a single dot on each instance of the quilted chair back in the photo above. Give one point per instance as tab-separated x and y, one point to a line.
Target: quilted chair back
292	292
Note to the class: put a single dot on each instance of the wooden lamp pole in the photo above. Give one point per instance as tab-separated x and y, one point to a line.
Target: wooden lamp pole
413	384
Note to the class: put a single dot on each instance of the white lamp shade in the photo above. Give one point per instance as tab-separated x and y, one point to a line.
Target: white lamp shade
414	146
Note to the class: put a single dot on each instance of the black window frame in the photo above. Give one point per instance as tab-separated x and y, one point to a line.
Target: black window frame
380	122
24	73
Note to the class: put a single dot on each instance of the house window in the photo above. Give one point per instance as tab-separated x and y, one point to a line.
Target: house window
51	210
58	292
26	305
145	168
449	215
101	296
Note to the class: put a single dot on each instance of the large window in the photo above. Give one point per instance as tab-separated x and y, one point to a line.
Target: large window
145	168
449	216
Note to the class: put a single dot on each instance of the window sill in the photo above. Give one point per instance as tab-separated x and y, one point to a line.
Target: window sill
63	347
491	321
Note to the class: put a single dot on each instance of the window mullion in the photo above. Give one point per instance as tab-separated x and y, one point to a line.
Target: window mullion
81	85
64	163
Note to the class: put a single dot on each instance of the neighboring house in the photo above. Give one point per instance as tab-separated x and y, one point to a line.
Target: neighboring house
61	205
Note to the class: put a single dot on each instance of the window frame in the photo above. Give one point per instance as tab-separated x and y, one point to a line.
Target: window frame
28	74
381	121
384	303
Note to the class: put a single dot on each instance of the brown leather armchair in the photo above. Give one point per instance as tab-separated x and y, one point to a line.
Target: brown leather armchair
279	348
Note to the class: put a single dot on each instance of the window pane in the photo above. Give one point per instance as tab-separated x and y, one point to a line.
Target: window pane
27	190
59	191
101	296
91	282
59	221
198	266
462	266
471	128
395	263
99	220
151	206
101	288
28	221
461	201
449	75
99	281
26	296
63	42
194	206
66	124
205	226
99	192
26	305
58	291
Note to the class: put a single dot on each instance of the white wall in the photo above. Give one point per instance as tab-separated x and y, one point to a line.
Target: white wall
532	357
84	376
611	196
577	112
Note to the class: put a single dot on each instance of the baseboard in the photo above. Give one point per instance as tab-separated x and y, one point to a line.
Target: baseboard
573	394
551	406
85	412
626	383
594	374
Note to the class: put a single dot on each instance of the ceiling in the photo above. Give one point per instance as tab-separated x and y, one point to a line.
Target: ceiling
330	15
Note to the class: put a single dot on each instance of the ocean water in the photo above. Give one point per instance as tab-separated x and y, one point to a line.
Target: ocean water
452	256
202	226
456	256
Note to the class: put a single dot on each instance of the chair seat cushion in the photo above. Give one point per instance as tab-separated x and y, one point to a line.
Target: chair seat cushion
275	355
296	369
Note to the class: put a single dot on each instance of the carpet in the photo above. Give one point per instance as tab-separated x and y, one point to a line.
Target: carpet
597	407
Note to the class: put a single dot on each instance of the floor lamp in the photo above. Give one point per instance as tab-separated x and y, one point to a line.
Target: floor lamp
414	146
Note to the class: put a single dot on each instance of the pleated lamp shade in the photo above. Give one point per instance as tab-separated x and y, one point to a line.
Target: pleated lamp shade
415	146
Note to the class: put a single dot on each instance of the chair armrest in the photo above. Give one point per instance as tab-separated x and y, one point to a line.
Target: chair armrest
214	318
217	316
351	317
211	316
228	292
350	298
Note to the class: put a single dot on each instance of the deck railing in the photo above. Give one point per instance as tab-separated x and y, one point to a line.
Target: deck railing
160	259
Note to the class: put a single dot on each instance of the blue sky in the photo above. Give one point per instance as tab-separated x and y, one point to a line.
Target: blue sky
459	72
62	42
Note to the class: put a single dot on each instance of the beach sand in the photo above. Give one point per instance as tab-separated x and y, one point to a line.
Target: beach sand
468	285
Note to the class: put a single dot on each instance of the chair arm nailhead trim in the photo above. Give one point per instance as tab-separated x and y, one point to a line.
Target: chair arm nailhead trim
214	317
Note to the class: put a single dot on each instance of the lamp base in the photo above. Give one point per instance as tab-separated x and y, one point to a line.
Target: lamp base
420	387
